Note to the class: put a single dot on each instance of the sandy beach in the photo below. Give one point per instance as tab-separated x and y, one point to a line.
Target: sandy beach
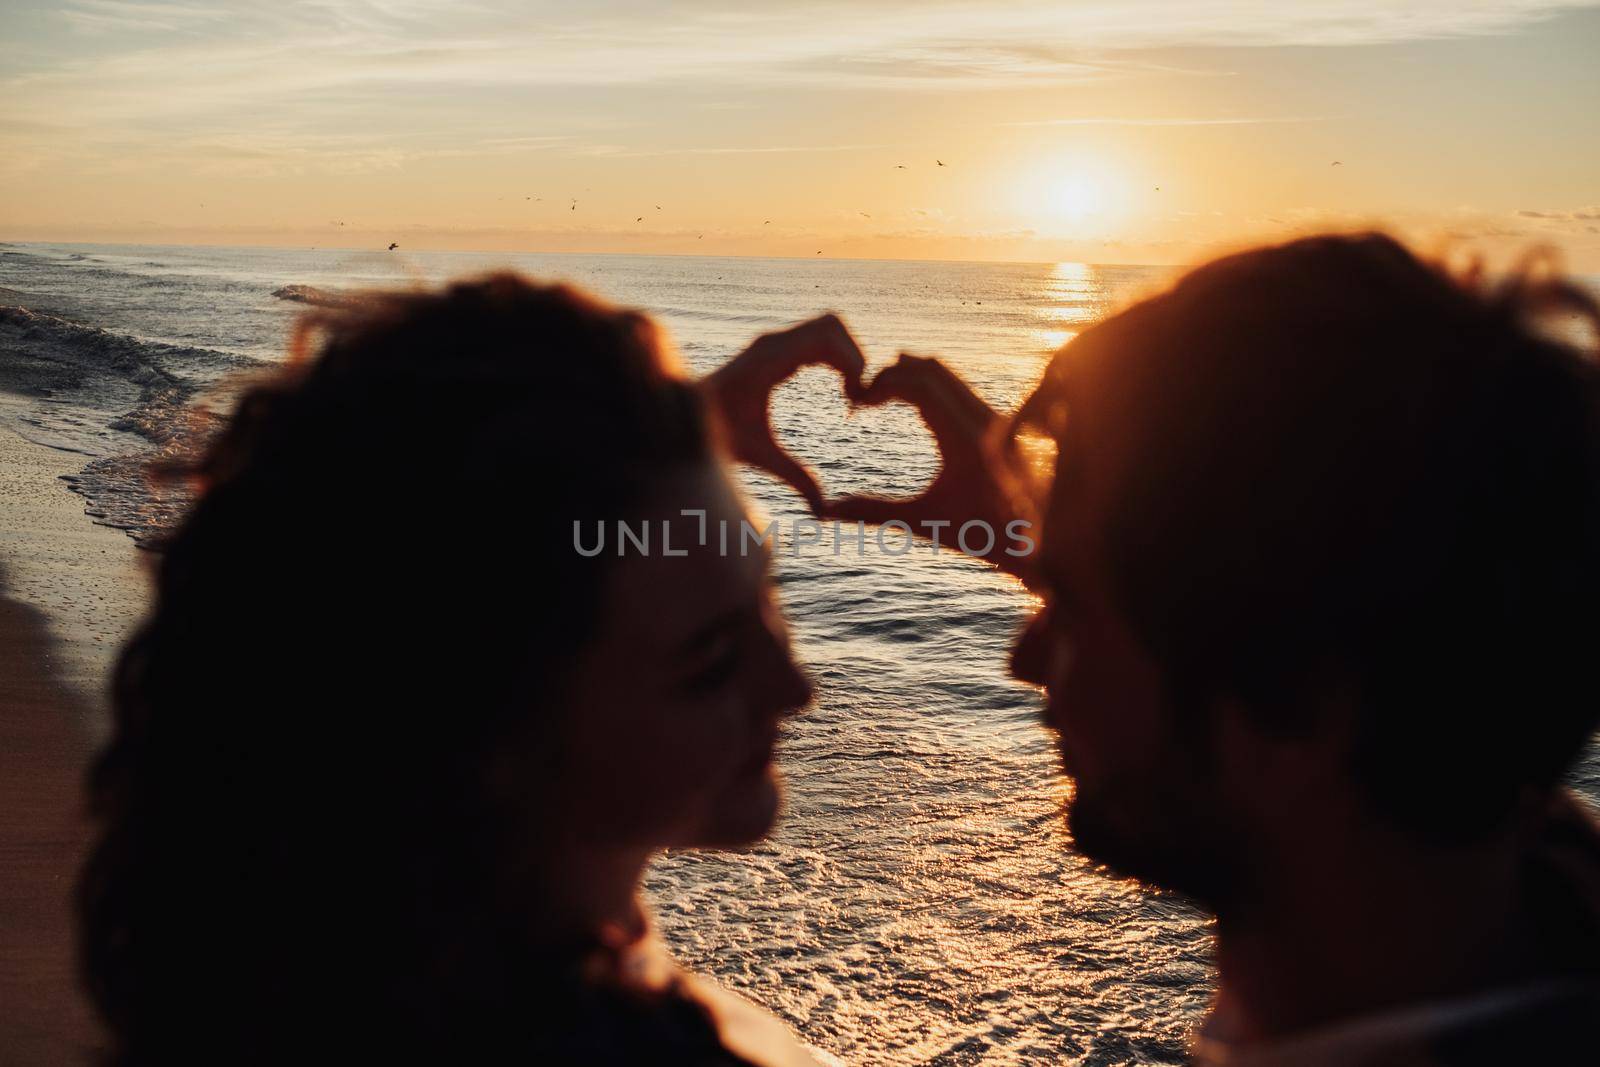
69	592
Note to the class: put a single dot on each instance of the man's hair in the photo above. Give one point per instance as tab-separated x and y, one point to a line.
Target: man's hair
1343	462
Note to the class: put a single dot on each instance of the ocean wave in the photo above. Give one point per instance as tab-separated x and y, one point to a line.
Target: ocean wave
123	401
310	294
47	353
708	315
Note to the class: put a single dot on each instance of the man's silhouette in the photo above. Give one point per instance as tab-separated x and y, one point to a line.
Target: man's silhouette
1321	563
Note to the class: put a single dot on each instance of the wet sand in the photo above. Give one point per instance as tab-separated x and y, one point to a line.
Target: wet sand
69	592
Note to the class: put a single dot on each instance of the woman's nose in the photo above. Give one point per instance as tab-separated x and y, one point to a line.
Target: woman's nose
787	690
796	691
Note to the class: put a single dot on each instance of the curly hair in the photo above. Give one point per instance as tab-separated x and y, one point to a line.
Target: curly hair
373	597
1342	457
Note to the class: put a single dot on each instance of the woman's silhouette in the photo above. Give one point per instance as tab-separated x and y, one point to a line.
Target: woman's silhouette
389	755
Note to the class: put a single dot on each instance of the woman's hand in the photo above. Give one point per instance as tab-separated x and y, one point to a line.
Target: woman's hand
979	479
741	391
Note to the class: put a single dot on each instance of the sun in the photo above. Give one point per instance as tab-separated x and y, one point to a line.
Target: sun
1076	197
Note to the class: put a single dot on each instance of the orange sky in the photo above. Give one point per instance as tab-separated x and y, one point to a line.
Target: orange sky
1141	132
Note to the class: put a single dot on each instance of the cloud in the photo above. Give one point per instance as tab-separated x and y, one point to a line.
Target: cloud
375	83
1582	214
1474	232
1109	121
753	150
124	16
274	51
172	69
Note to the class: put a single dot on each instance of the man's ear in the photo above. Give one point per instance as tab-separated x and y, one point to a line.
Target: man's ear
1287	770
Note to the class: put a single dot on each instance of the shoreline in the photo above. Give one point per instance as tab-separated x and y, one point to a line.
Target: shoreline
70	591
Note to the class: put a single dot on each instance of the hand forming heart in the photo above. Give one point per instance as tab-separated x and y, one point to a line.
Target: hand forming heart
741	391
976	480
979	480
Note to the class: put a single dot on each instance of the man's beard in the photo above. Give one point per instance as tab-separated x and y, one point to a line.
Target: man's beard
1158	836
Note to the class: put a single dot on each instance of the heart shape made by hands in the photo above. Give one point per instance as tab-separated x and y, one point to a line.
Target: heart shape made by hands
849	444
975	481
742	392
969	477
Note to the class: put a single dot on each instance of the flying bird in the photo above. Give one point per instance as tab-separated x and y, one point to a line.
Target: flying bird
940	162
863	214
767	223
639	219
899	166
393	246
1336	163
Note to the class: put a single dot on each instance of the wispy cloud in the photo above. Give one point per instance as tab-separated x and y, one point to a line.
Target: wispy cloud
186	65
122	16
756	150
1582	214
276	50
1102	120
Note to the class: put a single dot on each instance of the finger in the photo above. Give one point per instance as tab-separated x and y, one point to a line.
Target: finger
959	392
800	479
822	341
919	380
936	393
846	355
771	457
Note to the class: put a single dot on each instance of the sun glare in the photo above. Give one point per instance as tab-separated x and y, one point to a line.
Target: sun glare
1077	197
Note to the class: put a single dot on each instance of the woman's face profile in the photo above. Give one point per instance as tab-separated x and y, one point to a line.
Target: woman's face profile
673	708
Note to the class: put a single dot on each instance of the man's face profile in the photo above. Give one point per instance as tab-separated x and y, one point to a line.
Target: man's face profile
1144	800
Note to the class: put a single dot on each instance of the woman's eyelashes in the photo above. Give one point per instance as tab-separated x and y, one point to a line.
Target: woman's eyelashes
717	664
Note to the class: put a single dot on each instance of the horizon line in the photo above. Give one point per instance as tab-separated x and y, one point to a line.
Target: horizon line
5	242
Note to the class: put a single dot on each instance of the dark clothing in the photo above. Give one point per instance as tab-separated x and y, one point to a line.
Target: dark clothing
1552	1020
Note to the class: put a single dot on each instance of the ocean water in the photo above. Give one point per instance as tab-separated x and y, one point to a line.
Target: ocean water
919	902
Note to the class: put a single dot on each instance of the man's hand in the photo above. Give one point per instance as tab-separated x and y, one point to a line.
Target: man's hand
978	479
741	391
